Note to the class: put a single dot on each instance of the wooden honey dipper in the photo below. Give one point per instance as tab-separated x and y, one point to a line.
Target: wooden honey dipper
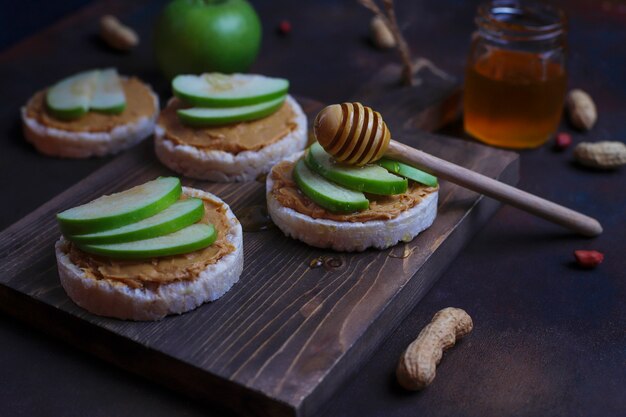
356	135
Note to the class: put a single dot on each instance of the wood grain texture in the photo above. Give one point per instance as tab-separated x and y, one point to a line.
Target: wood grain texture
286	336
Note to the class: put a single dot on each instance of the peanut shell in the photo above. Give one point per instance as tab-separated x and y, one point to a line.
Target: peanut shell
581	109
601	155
116	34
417	366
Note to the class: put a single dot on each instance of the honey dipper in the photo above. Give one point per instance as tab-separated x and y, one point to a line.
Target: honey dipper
355	134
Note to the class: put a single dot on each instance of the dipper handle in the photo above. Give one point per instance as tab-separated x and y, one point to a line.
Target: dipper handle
573	220
357	135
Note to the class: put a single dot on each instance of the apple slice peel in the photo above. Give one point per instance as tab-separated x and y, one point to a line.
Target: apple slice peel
189	239
371	179
327	194
221	90
179	215
97	90
108	96
408	171
70	97
120	209
204	116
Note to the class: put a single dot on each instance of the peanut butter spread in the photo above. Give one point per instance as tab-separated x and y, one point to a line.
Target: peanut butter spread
156	271
139	103
381	207
232	138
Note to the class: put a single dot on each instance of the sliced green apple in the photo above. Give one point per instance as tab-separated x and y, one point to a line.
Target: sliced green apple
204	116
327	194
109	95
97	90
221	90
120	209
370	178
177	216
70	97
408	171
189	239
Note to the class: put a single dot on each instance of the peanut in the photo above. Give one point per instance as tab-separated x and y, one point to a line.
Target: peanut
417	365
117	35
562	140
381	34
581	109
588	258
601	155
284	28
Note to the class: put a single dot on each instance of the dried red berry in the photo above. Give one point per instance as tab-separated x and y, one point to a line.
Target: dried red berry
284	28
588	258
562	140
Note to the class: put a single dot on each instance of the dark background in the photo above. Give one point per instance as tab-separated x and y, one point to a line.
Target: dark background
21	18
549	338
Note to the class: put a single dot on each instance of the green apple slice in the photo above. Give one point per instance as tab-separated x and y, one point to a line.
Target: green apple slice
189	239
204	116
408	171
177	216
221	90
97	90
108	96
70	97
120	209
327	194
370	178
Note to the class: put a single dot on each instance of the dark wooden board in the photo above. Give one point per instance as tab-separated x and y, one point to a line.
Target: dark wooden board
286	336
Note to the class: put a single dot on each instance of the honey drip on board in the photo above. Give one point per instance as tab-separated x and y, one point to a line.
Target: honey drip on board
254	218
328	262
406	252
316	262
513	99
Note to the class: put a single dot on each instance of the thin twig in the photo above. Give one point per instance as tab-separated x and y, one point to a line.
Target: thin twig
389	18
369	4
405	53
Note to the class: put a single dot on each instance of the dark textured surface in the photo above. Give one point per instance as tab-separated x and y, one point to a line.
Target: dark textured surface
21	18
549	338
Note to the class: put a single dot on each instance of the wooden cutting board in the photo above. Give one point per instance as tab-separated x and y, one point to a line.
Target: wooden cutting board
286	336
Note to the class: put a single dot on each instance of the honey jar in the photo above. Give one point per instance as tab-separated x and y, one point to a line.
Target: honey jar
515	81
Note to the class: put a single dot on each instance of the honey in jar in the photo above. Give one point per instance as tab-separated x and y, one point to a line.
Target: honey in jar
515	81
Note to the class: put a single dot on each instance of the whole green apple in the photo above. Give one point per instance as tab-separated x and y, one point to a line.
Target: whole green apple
196	36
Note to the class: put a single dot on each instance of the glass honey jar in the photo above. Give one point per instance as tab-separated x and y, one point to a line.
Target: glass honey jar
515	81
